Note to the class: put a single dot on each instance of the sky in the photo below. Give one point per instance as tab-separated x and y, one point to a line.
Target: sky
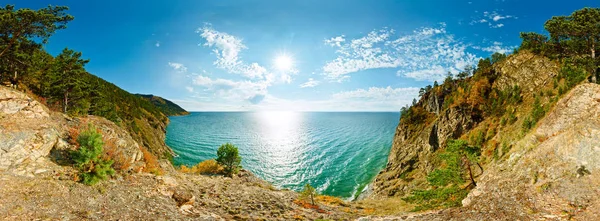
339	55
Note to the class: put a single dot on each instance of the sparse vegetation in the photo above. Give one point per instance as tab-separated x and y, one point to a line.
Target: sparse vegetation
92	167
447	182
207	167
309	193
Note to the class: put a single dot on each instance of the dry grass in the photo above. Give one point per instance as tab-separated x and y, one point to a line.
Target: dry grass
121	161
330	200
152	164
382	207
205	167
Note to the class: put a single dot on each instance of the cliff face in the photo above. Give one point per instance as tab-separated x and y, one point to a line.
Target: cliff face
414	150
548	174
29	132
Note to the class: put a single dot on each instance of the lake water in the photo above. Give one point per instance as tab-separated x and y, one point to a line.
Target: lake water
337	153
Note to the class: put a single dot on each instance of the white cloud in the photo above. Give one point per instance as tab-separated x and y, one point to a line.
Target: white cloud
178	66
227	48
492	19
496	47
335	41
157	44
412	55
310	83
378	93
189	89
432	74
233	90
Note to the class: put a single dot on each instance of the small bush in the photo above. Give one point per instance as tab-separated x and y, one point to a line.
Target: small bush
152	164
92	167
536	114
205	167
308	193
229	158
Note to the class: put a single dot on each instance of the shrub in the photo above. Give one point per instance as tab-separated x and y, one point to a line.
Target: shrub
152	164
88	158
308	192
446	192
205	167
228	157
536	114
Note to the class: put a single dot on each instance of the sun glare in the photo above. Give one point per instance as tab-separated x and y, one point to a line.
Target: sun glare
284	62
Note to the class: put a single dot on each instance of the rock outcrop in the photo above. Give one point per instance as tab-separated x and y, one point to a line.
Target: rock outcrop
412	153
27	133
414	148
527	70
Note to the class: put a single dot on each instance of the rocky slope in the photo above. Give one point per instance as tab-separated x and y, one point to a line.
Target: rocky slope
414	148
37	178
549	174
546	173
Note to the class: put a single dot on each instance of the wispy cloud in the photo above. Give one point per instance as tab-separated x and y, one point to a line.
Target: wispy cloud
492	19
496	47
413	54
178	66
157	44
335	41
233	90
310	83
227	48
378	93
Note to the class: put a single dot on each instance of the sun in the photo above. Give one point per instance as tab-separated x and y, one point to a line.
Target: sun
284	62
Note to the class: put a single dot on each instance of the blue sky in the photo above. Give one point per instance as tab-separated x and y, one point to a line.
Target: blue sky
292	55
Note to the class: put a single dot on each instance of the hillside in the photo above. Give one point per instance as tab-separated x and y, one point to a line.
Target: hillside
166	106
62	83
512	138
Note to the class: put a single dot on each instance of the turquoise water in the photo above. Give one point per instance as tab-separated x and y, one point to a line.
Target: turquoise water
337	153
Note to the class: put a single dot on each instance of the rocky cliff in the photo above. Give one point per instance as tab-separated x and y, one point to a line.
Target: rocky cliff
415	146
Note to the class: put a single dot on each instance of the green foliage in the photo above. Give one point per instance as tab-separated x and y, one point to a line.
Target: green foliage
533	41
413	115
19	30
498	57
536	114
88	158
165	106
447	181
437	198
309	192
228	157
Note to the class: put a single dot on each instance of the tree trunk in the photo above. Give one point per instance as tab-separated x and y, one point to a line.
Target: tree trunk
594	73
466	161
15	82
312	198
66	102
471	175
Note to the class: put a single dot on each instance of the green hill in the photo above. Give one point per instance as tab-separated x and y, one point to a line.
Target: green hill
166	106
62	83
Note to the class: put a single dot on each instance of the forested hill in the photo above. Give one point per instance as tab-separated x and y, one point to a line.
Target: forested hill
166	106
62	83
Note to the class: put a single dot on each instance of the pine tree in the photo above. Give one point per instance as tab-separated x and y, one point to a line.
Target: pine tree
309	192
88	157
